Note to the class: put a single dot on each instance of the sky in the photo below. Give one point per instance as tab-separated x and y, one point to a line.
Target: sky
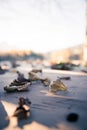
42	25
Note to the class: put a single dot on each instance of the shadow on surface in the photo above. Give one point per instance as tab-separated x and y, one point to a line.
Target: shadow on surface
3	122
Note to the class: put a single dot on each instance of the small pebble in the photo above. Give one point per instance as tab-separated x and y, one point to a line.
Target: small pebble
72	117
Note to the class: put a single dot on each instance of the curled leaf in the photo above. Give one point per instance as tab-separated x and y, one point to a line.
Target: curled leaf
57	85
46	81
36	70
33	76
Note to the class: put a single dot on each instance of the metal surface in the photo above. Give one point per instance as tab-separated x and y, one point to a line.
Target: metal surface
48	110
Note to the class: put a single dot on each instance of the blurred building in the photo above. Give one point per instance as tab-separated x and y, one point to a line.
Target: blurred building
85	46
